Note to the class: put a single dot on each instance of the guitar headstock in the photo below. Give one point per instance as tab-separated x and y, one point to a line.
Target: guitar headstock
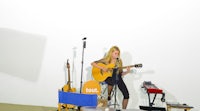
68	66
138	65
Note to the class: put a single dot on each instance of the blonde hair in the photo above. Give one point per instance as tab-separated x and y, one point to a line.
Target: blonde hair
107	58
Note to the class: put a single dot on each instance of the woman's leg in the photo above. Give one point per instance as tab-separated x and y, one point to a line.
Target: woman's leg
124	91
109	81
109	91
124	103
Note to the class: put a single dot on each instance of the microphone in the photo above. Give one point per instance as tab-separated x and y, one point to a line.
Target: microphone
117	62
84	42
118	59
84	38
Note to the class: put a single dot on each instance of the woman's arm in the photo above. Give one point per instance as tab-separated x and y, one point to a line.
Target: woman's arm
94	64
127	71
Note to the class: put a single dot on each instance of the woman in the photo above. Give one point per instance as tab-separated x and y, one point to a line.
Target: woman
113	57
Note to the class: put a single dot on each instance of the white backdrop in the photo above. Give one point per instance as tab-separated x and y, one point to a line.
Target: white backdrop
37	37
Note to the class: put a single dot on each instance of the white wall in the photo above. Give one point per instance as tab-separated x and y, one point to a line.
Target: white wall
162	35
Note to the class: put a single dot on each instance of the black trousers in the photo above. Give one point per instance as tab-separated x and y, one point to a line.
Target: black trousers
117	79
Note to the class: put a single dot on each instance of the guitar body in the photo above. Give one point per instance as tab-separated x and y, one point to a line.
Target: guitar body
66	88
99	75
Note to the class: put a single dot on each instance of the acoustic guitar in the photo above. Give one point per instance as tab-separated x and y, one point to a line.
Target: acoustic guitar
100	75
67	87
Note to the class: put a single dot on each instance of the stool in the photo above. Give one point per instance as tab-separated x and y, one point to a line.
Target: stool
104	89
104	95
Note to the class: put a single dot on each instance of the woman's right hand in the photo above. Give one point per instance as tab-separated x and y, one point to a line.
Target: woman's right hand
104	69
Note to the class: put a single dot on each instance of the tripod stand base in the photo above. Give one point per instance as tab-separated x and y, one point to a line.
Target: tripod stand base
109	105
115	104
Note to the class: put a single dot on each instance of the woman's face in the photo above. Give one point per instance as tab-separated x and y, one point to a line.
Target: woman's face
115	54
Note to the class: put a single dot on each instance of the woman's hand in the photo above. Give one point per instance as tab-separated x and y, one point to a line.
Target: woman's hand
128	69
104	69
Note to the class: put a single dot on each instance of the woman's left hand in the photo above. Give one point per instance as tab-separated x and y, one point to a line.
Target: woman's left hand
128	69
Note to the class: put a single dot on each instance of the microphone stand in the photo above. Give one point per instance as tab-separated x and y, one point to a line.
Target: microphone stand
84	46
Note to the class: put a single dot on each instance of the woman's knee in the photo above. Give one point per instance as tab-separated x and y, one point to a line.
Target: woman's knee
126	96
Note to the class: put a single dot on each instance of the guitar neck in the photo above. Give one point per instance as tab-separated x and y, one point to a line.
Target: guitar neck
127	66
69	82
136	65
69	76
